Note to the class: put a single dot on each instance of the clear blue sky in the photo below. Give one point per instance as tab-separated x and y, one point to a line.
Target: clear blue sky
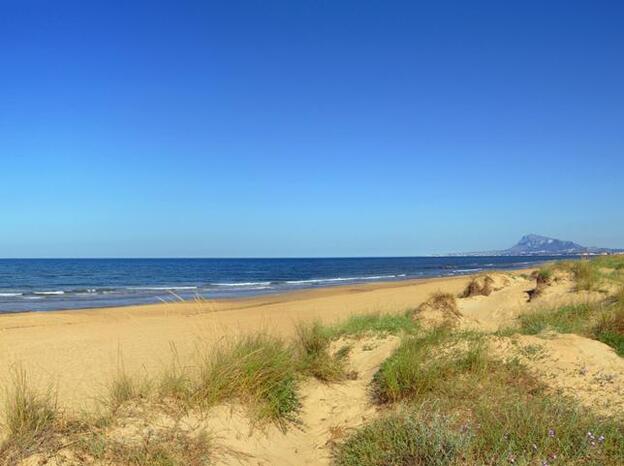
308	128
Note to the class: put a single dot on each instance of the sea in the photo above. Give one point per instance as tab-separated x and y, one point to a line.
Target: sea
56	284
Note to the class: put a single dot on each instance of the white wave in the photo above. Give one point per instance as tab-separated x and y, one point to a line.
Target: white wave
9	295
243	284
49	293
467	270
161	288
343	279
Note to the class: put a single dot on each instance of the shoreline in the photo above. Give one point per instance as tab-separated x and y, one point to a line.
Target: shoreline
277	293
79	352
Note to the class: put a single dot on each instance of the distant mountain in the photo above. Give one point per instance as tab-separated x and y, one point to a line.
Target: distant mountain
536	245
542	245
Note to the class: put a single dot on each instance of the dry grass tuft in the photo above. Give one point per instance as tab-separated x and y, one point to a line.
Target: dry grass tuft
28	413
162	447
543	279
439	310
479	286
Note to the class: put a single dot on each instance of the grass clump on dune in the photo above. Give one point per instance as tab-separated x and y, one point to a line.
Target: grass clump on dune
258	370
610	330
29	418
165	447
376	323
402	439
312	345
587	275
600	321
440	309
478	286
566	319
423	365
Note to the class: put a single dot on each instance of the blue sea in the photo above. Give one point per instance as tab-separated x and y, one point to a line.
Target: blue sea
54	284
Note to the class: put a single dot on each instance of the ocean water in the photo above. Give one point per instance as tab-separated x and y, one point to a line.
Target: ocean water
54	284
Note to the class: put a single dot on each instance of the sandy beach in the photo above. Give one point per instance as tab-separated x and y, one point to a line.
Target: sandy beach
77	355
79	351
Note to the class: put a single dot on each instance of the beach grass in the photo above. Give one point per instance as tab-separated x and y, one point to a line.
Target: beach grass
602	321
312	343
402	438
258	370
450	402
376	324
28	415
566	319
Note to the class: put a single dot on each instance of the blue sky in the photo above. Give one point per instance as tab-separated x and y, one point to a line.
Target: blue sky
320	128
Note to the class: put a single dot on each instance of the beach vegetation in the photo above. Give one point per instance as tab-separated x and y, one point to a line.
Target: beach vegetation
610	329
566	319
312	346
375	324
448	398
478	286
164	447
258	370
587	275
402	438
29	416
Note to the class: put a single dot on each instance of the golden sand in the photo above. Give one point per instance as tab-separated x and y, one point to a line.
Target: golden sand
79	351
